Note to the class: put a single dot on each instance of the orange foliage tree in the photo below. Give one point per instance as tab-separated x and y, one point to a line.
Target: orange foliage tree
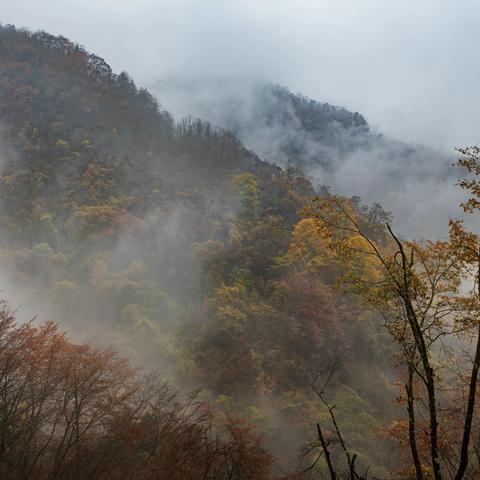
428	293
70	411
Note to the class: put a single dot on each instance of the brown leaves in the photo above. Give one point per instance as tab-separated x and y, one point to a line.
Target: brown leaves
71	411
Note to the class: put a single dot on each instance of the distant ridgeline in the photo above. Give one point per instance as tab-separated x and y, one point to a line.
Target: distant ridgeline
180	246
281	126
332	145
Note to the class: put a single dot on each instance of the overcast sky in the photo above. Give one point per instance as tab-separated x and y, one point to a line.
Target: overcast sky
411	66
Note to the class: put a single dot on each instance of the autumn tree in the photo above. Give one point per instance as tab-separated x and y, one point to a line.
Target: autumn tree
70	411
428	294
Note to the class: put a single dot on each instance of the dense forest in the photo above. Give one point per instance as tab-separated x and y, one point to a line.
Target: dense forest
168	243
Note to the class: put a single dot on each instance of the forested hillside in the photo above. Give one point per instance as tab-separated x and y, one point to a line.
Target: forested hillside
336	146
282	127
173	242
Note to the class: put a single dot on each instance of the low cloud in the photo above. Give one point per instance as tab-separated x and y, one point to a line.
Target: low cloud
406	65
416	183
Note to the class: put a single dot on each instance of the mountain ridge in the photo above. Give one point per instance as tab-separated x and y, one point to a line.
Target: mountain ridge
333	146
178	245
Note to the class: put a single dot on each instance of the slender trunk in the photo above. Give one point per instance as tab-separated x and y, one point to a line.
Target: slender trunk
472	393
411	424
353	474
404	293
333	475
430	384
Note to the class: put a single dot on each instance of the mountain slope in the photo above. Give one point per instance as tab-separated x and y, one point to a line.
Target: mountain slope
177	244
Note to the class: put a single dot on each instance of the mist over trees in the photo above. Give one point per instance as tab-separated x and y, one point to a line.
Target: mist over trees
194	257
331	144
